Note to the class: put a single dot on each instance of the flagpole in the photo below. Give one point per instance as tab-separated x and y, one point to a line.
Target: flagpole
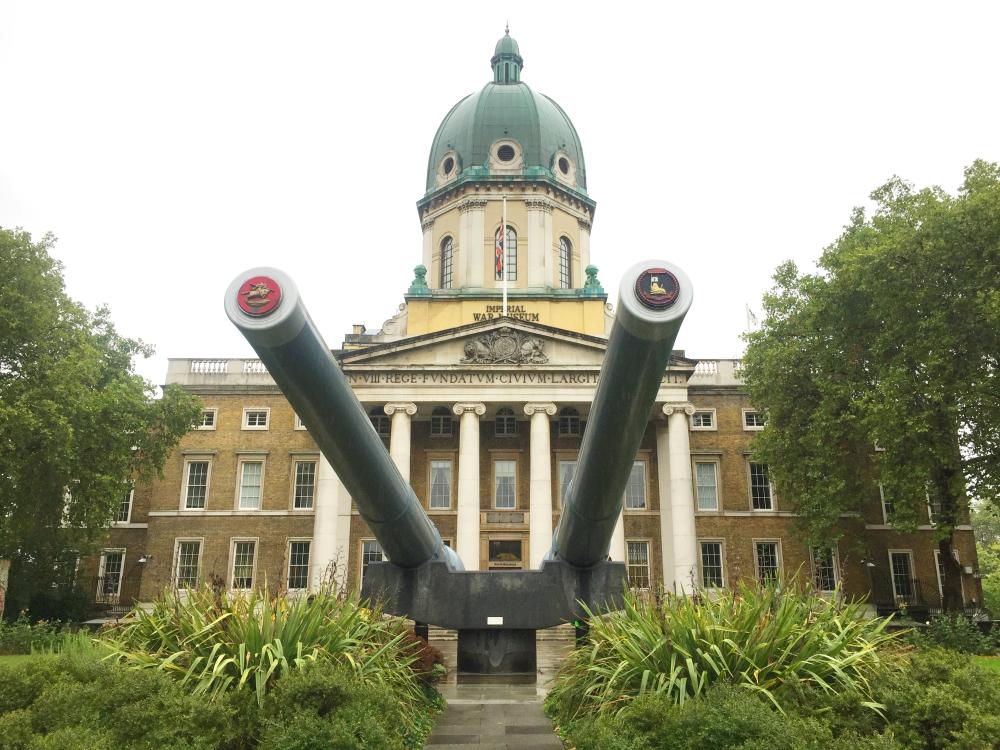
503	233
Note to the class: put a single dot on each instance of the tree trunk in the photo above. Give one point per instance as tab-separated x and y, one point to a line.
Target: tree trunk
4	578
951	577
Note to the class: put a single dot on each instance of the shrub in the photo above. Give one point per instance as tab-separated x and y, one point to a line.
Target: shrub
724	716
62	702
214	642
958	633
766	639
24	637
323	707
940	699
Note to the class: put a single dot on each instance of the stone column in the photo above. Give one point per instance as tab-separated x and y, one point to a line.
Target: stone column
617	549
584	247
470	271
330	550
427	227
399	437
685	536
537	259
467	533
666	511
540	495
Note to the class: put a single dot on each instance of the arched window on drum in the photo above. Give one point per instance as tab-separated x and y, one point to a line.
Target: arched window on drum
565	264
498	260
447	257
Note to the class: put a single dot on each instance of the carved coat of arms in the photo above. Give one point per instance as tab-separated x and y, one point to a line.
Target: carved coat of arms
504	346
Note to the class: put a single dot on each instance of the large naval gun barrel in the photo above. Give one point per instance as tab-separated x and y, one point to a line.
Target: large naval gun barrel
653	299
264	304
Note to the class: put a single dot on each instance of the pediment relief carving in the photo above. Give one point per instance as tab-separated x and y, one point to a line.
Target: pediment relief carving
504	346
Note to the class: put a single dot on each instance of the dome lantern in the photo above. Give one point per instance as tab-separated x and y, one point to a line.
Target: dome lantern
507	61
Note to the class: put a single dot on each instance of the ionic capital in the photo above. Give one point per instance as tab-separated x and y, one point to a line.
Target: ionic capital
531	409
583	224
670	408
466	408
402	406
426	226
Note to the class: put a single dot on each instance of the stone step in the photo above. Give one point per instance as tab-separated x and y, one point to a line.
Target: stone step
558	633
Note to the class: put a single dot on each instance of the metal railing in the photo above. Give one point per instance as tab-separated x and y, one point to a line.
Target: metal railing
115	593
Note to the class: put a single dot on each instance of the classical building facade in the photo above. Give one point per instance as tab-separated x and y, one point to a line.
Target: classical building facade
481	394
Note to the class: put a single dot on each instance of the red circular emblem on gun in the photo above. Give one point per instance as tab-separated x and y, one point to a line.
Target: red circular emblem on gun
260	295
657	288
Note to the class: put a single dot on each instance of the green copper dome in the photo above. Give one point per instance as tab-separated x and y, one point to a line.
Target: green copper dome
506	131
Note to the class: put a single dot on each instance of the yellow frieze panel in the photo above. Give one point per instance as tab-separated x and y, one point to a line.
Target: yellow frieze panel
431	315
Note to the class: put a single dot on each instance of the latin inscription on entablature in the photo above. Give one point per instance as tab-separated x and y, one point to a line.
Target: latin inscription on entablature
485	378
472	378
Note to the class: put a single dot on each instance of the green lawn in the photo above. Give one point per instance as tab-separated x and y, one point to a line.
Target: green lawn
989	662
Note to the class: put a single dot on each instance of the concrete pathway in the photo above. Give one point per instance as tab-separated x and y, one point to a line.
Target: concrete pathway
492	716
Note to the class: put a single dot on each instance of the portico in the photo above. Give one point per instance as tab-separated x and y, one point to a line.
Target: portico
492	447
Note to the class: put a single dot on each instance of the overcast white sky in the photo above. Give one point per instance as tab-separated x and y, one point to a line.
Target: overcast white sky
169	146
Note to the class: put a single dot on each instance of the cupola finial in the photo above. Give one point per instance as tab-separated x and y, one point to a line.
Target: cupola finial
507	62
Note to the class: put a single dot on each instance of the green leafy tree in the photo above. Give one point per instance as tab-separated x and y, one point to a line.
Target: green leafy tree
894	342
77	424
986	524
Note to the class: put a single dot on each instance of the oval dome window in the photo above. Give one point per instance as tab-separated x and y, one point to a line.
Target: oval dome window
564	165
449	164
506	153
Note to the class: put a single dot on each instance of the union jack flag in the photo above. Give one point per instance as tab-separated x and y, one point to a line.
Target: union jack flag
498	255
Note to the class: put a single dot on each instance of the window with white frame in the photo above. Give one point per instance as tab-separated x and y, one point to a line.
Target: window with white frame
298	423
703	419
753	420
933	506
706	481
124	514
638	564
208	419
380	421
441	422
712	569
298	564
888	508
371	551
635	490
244	563
441	474
505	424
305	485
566	471
187	568
939	569
569	421
767	559
109	584
901	571
760	488
824	564
505	484
195	491
256	418
251	484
